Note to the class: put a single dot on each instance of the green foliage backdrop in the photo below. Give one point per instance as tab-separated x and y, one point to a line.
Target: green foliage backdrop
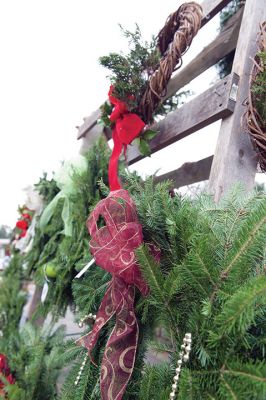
210	282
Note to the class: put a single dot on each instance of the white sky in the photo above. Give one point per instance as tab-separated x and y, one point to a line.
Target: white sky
50	79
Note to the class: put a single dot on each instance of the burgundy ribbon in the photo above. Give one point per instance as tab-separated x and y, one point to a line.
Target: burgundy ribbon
112	246
120	351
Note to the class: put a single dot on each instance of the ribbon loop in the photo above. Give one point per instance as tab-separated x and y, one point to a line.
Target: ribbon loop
113	245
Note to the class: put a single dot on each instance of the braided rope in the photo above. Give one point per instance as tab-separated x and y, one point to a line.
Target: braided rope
253	121
173	41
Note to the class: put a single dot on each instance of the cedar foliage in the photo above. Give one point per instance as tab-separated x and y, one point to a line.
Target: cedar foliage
130	74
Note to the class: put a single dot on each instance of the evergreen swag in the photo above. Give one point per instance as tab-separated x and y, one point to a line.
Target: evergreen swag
68	253
210	282
34	355
12	298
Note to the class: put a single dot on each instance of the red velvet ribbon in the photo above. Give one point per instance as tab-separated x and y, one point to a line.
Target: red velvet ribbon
113	246
127	127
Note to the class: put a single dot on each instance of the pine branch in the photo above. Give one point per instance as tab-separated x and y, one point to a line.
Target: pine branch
247	248
151	272
226	389
248	380
239	312
155	280
186	389
172	283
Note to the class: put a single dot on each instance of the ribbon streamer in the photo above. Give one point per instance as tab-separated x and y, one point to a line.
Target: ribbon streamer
112	246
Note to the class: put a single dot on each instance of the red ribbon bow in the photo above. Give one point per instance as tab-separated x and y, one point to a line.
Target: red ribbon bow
113	248
127	127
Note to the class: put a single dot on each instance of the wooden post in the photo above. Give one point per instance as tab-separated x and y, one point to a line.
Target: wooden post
234	158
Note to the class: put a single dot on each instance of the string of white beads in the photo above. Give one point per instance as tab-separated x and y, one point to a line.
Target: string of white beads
81	369
184	356
81	323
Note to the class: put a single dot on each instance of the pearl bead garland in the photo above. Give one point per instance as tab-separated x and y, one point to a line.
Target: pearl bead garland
81	324
81	369
184	356
86	318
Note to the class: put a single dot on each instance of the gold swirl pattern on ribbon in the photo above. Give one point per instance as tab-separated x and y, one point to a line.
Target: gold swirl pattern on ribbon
121	360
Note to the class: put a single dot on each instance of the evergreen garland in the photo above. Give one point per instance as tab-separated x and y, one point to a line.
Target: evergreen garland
210	282
34	355
12	298
69	253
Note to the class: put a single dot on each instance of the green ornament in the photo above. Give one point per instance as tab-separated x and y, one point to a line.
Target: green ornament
50	270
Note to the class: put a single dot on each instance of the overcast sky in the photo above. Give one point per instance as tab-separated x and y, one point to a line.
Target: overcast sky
50	79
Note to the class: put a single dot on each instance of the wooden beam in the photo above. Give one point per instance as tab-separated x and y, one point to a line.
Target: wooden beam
211	8
89	123
215	103
33	305
234	159
222	45
188	173
95	132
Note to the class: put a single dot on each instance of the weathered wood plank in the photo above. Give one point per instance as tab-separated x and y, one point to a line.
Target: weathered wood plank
213	104
89	123
95	132
34	303
222	45
188	173
211	8
234	159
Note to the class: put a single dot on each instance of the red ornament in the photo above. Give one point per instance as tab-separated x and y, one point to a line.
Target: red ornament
3	364
113	247
5	371
11	380
22	224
